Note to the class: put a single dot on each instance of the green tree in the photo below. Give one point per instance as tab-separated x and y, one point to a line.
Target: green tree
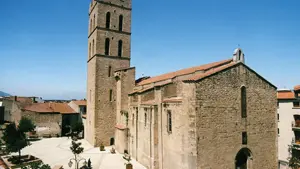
76	150
77	128
294	160
15	136
26	125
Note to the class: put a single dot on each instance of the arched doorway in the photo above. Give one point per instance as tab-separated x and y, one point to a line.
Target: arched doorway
243	159
112	141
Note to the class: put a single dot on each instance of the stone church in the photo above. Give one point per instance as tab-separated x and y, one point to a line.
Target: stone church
220	115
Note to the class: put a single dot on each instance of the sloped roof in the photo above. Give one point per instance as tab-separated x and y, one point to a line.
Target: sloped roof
62	108
285	95
211	71
184	72
80	102
221	68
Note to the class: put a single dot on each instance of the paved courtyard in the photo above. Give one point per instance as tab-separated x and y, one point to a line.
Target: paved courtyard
56	151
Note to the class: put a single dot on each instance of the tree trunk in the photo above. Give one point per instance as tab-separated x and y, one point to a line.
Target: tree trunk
19	156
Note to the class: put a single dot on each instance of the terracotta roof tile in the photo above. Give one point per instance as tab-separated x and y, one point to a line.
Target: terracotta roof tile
62	108
184	72
296	88
141	90
39	107
285	95
211	71
80	102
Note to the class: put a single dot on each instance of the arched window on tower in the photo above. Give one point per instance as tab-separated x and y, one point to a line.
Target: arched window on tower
107	46
94	21
120	48
243	102
91	24
120	22
107	20
109	71
93	47
90	50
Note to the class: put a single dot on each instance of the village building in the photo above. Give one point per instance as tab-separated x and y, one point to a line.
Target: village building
218	115
80	107
288	123
51	118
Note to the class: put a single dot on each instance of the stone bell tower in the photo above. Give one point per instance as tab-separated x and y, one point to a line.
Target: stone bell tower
109	38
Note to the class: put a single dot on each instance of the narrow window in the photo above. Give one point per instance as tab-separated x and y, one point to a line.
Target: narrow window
243	102
107	46
145	119
110	95
278	131
93	47
120	46
120	22
90	50
94	21
133	119
107	20
169	117
109	71
278	116
91	23
244	138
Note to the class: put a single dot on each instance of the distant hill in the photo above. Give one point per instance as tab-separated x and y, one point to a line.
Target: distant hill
2	94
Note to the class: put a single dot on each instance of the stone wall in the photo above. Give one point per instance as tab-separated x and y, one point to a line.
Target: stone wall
170	90
125	83
125	3
12	111
48	121
105	109
220	125
177	152
150	143
101	111
89	134
148	95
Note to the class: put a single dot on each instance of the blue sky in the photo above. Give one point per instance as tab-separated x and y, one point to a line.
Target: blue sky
43	44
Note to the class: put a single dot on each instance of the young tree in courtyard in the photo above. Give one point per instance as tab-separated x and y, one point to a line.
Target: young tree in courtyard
26	125
76	150
294	160
15	136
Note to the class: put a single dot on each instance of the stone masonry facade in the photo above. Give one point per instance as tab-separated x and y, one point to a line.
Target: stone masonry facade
109	50
220	125
218	115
